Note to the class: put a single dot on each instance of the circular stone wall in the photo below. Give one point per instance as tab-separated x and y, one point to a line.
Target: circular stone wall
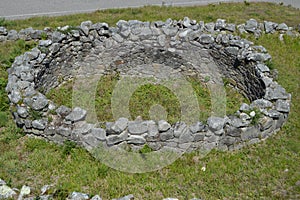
158	52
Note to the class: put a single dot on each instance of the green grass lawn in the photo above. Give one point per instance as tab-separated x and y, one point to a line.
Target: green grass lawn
269	170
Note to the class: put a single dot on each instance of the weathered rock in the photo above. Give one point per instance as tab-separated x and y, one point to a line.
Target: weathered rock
25	34
120	125
251	25
98	133
282	106
186	22
100	26
54	48
179	128
86	26
276	92
230	27
76	115
229	140
145	33
273	114
136	139
197	127
6	192
253	141
220	24
249	133
261	103
78	196
82	128
207	146
27	76
199	136
116	139
45	189
170	31
186	136
51	106
36	34
3	38
270	27
45	197
163	126
15	96
244	116
263	68
164	136
265	123
25	190
63	111
260	49
237	122
241	28
3	30
117	37
152	129
232	50
137	128
75	33
162	40
282	27
259	57
96	197
32	55
37	102
2	182
108	129
45	43
183	34
281	120
216	123
12	35
210	27
64	131
39	124
212	138
28	123
244	107
57	36
206	39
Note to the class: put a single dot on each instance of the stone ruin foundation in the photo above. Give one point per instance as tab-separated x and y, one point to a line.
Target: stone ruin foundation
157	50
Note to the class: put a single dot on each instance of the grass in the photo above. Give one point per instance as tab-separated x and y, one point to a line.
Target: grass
268	170
147	96
236	13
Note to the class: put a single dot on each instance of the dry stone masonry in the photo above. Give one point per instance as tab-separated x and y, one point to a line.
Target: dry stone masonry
133	47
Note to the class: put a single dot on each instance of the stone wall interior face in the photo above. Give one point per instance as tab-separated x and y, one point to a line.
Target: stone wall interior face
136	48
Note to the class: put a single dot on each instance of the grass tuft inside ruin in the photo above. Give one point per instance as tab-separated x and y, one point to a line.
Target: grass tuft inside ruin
146	97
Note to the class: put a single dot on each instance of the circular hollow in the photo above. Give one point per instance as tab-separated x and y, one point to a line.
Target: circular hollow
142	52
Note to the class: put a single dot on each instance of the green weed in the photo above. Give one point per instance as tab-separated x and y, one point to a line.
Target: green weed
3	119
68	148
145	149
270	64
247	3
